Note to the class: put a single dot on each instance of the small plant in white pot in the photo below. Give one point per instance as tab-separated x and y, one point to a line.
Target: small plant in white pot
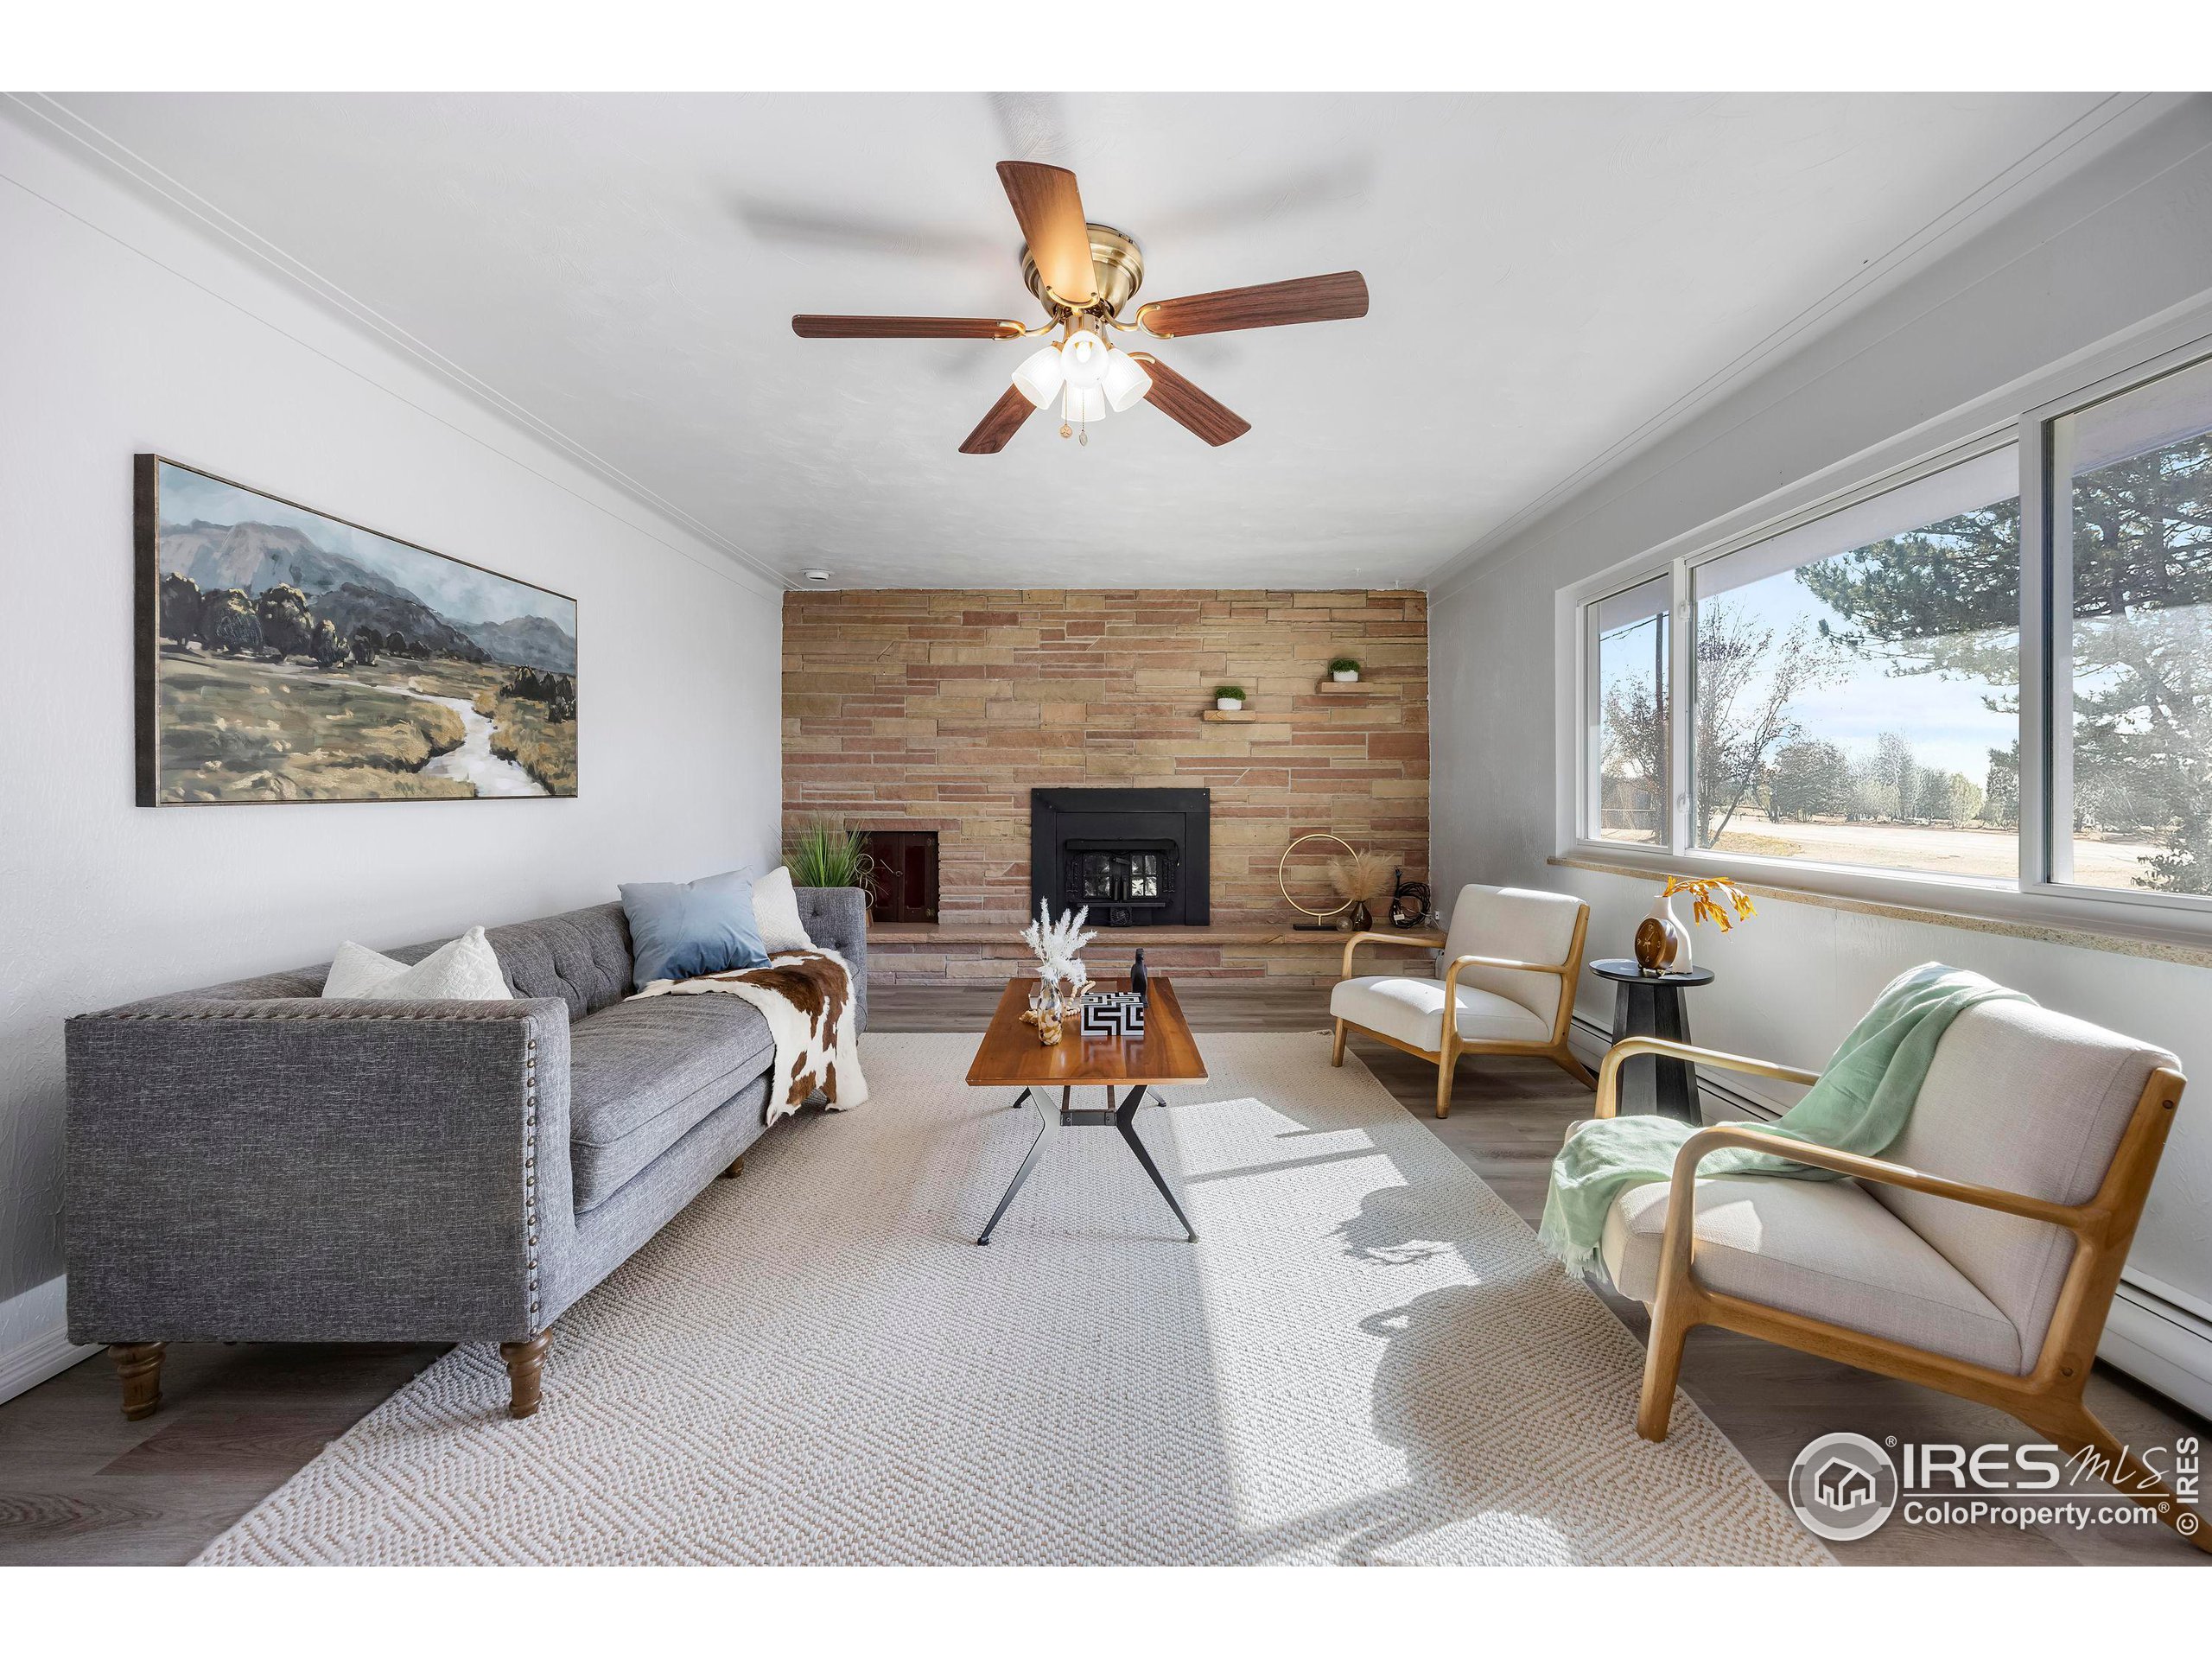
1228	698
1344	670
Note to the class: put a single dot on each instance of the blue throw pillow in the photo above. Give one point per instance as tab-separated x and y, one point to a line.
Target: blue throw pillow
679	929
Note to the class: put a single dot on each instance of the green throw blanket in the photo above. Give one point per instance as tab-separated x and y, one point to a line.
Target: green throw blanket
1860	1104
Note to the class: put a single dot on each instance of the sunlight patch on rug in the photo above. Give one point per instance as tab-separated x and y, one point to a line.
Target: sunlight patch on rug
1366	1357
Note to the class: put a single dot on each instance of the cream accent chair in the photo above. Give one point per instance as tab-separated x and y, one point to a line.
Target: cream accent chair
1991	1279
1510	966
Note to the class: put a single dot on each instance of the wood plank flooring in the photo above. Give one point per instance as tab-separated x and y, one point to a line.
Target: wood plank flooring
78	1485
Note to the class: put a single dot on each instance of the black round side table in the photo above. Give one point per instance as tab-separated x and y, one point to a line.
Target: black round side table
1648	1005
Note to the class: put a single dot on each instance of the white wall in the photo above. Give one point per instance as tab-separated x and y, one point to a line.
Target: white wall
121	331
2126	239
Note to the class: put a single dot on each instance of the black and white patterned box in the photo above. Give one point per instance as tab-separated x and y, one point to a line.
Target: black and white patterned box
1113	1013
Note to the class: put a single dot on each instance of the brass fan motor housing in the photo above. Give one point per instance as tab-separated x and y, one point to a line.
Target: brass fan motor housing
1117	271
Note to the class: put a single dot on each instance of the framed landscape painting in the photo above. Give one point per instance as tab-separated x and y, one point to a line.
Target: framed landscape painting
284	655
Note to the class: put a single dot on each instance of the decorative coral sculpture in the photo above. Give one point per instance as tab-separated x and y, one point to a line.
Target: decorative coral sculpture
1059	946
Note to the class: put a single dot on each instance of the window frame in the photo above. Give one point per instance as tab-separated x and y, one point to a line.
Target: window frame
1590	802
2019	415
2049	572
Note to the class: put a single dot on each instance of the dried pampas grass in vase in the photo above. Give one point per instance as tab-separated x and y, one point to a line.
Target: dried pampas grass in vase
1363	881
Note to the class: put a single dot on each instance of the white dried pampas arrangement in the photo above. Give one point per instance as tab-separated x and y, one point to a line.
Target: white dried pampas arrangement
1059	946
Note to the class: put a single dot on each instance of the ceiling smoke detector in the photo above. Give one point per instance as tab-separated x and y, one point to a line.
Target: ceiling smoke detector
817	577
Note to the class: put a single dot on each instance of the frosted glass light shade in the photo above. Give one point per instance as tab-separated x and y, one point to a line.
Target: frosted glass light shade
1083	404
1039	378
1125	380
1083	359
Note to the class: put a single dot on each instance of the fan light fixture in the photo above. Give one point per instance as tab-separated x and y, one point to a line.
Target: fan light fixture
1039	378
1089	378
1083	404
1125	382
1083	359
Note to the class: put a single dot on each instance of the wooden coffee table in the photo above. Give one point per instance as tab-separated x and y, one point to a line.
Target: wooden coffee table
1010	1056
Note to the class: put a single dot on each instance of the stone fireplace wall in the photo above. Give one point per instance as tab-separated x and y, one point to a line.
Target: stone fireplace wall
941	710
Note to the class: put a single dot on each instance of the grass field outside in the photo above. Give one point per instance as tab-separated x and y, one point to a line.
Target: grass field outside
1983	853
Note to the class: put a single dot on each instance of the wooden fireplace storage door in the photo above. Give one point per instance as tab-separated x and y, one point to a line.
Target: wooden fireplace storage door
905	874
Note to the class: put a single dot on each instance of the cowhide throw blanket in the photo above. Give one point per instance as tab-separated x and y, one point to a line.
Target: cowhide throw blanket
805	996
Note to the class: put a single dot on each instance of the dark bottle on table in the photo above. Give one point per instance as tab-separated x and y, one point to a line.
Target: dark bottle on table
1137	976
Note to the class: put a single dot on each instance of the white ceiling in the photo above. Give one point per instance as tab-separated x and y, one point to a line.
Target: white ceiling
1549	274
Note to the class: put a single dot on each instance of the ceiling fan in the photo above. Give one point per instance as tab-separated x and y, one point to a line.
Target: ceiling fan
1084	274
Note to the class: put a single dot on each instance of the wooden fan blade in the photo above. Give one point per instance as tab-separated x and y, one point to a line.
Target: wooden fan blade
1050	210
1180	401
1303	299
812	328
1005	419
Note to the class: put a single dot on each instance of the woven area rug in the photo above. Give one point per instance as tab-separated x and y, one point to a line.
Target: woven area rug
1366	1359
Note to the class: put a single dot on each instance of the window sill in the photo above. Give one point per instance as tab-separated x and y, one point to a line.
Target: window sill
2000	911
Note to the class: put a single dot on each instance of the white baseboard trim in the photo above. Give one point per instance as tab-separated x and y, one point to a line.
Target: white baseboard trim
39	1320
47	1355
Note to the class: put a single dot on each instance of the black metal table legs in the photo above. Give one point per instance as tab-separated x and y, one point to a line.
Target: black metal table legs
1122	1118
1125	1120
1044	1127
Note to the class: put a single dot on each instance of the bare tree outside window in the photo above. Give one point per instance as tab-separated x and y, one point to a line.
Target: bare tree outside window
1749	675
1633	729
1852	709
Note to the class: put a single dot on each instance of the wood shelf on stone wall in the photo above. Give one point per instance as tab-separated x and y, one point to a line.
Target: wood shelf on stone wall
1343	688
1229	716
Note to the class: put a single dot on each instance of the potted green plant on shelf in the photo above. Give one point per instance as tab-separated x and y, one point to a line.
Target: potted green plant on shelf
820	853
1344	670
1228	698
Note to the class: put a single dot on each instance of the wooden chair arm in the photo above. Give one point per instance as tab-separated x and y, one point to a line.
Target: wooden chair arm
1563	970
1358	939
1861	1167
1609	1069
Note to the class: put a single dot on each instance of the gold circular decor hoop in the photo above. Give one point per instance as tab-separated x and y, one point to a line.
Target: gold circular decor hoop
1283	886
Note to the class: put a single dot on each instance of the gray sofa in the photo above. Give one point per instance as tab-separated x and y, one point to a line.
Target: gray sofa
252	1163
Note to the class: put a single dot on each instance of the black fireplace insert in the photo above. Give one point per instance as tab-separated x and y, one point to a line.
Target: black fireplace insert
1137	857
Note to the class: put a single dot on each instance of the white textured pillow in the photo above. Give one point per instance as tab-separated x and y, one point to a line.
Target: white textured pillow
465	970
356	970
775	910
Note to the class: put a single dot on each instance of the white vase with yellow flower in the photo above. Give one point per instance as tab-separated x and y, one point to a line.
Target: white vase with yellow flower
1662	944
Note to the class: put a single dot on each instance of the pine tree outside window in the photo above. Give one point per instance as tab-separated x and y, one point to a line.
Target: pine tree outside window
2131	536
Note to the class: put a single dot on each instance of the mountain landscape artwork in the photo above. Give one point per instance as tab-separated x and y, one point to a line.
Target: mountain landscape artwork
284	655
